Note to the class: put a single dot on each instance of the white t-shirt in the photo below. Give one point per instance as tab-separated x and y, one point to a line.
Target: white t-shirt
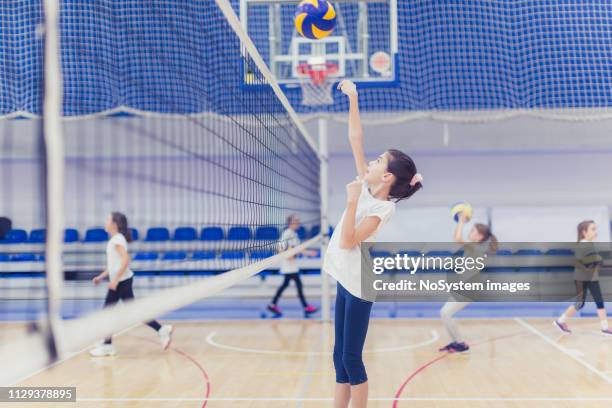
289	239
345	264
113	259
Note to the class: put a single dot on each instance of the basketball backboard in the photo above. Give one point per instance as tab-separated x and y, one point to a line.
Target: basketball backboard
363	45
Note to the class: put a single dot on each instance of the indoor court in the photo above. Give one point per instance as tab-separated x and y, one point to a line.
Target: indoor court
305	203
287	364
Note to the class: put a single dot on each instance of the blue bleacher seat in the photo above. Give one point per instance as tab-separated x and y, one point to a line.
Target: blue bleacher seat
232	255
412	254
96	235
71	235
439	253
23	258
560	252
135	234
239	234
314	231
146	256
203	255
527	252
15	236
503	252
174	256
185	234
261	254
5	258
301	232
380	254
38	236
157	234
212	234
267	233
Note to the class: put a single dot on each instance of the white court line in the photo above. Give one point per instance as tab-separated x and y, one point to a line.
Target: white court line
210	339
564	350
67	357
471	399
310	369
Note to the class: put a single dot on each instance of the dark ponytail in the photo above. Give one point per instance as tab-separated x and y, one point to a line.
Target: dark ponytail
487	235
122	225
404	169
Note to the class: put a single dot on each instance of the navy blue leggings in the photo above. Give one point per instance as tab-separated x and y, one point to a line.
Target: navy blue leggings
352	318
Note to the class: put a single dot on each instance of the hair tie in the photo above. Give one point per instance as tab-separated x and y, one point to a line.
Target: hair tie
417	178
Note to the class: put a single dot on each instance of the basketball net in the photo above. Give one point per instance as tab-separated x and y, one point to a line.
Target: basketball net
316	81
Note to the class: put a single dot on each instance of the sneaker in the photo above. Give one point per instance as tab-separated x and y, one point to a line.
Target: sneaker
562	326
448	347
103	350
310	309
165	335
275	310
606	332
455	347
459	348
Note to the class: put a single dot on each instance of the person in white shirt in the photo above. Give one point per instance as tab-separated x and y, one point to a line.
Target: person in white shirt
586	276
392	176
290	269
121	279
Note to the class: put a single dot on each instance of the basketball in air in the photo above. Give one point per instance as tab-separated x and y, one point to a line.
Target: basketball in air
315	19
461	208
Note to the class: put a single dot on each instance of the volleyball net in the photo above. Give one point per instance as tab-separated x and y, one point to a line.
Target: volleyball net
206	172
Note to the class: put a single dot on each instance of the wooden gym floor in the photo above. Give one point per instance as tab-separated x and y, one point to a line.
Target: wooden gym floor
287	363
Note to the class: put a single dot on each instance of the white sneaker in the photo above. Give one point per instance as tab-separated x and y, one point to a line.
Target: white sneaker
103	350
165	335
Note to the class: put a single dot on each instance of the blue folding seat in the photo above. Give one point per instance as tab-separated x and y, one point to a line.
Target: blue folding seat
71	235
135	234
560	252
157	234
15	236
301	232
212	234
5	258
174	256
439	253
528	252
23	257
38	236
96	235
146	256
185	234
239	234
203	255
267	233
232	255
503	252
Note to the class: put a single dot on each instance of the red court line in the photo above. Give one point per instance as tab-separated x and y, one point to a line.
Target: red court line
195	362
422	368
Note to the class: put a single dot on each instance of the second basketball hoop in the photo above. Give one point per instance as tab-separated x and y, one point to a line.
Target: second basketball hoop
317	77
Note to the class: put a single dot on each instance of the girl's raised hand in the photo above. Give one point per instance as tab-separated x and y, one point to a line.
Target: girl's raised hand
348	87
353	190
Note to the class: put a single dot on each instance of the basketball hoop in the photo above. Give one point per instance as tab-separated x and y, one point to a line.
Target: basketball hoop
317	78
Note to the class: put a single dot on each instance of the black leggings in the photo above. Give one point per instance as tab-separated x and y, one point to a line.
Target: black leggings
298	283
124	292
585	286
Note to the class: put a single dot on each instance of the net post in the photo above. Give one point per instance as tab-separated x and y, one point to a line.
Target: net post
323	174
54	172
